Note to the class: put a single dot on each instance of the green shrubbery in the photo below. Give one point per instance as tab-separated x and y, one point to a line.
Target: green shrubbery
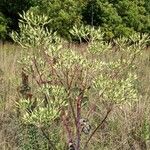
3	26
114	17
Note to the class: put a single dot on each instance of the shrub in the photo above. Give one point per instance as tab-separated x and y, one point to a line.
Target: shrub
69	87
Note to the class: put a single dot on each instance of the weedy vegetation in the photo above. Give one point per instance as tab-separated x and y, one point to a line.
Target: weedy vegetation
56	97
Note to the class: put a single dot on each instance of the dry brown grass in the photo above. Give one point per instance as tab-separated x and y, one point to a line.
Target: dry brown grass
123	129
8	84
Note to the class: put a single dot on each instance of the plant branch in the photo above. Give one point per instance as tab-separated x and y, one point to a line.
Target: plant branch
78	132
66	125
101	123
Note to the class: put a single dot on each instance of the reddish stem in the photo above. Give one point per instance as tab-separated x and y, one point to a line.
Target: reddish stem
68	130
79	98
78	123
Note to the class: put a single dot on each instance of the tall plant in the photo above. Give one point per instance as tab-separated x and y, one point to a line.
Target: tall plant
69	87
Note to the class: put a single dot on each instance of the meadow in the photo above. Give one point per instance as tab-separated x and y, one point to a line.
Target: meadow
127	127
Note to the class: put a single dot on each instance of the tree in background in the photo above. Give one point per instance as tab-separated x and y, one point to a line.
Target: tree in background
3	26
115	17
147	7
10	10
63	14
133	13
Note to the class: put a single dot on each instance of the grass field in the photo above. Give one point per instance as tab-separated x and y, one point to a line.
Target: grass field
127	128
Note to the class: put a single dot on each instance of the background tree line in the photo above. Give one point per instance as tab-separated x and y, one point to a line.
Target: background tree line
115	17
